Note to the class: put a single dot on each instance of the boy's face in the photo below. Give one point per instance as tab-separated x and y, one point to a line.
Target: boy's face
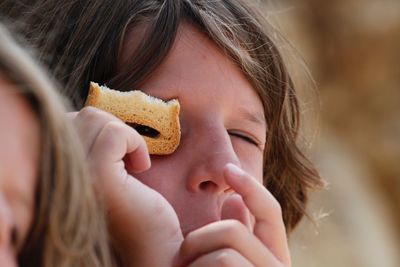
222	121
19	155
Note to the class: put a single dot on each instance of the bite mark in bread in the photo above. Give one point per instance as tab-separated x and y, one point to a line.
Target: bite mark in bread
155	119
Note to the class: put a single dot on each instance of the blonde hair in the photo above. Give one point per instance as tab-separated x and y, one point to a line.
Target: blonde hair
69	227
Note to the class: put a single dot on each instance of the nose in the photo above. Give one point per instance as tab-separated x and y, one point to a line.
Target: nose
212	152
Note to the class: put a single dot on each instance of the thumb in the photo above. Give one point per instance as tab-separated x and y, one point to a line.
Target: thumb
234	208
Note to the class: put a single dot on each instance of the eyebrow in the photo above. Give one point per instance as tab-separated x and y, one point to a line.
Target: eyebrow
253	116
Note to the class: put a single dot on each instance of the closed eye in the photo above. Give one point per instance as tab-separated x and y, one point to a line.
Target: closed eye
245	138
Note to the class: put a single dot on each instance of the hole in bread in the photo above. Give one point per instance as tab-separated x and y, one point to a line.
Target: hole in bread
144	130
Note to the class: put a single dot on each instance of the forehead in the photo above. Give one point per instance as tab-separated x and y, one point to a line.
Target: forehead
193	64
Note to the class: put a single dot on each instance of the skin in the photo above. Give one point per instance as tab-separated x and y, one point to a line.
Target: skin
203	205
217	108
19	158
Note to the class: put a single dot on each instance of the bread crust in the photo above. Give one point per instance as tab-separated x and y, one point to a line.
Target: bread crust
139	109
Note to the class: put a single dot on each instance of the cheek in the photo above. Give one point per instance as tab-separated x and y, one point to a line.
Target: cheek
251	159
7	257
26	216
254	168
161	176
25	213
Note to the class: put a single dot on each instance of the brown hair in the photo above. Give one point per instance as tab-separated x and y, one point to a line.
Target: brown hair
68	228
81	41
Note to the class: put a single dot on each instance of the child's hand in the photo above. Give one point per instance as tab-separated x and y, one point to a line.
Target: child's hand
143	226
233	242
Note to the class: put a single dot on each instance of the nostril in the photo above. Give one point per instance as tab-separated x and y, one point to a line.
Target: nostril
229	190
208	186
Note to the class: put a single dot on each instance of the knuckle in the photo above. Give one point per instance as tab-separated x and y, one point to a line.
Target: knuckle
189	242
186	244
225	258
276	208
87	112
158	207
87	115
232	228
162	210
113	127
110	135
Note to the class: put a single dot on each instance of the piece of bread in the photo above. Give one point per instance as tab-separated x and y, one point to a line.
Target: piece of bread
156	120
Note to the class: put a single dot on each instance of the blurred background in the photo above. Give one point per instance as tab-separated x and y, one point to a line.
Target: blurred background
352	49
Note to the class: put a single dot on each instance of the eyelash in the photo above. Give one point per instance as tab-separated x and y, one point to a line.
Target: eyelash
245	138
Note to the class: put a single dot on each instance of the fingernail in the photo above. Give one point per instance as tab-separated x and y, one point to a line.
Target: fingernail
234	170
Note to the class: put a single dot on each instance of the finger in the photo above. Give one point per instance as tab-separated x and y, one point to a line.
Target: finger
89	121
225	234
114	141
71	115
234	208
269	226
136	203
140	219
222	257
